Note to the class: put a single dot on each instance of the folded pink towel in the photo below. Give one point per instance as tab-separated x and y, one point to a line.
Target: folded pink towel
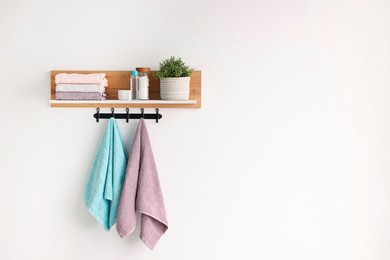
74	78
80	96
142	193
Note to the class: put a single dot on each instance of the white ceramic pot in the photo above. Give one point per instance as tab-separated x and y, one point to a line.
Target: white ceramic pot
175	88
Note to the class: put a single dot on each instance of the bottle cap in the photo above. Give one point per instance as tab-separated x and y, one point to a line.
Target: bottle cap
134	73
144	69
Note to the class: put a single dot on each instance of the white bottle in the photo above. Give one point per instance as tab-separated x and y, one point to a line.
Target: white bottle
134	85
143	83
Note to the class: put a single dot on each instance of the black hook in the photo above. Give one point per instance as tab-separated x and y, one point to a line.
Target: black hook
127	115
157	114
97	115
142	112
112	112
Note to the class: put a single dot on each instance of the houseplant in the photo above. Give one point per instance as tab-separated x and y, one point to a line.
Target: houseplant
174	77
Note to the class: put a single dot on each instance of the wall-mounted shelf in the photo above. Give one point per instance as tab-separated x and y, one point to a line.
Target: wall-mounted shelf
121	80
119	103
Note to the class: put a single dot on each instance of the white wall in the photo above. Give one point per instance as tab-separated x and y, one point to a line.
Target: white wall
287	159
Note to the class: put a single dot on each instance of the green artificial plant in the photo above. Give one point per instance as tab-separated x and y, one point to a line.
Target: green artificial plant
173	68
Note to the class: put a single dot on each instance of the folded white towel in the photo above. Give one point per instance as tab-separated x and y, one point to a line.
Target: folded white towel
80	88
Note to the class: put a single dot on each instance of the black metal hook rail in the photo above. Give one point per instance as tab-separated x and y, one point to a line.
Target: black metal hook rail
126	115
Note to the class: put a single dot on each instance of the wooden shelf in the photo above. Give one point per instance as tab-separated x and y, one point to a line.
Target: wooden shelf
119	103
121	80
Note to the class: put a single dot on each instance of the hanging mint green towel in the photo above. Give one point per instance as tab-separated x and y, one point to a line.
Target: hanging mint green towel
104	187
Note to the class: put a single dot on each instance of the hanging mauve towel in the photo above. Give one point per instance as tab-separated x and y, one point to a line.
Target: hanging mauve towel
142	193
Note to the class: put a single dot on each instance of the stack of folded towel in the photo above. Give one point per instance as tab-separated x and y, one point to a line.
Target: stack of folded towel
81	86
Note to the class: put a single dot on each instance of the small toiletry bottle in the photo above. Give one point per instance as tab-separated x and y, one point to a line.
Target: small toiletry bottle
143	83
134	85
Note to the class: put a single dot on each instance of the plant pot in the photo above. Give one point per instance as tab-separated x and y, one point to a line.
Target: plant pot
175	88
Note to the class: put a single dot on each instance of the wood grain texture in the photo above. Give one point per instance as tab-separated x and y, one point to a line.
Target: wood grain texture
121	80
